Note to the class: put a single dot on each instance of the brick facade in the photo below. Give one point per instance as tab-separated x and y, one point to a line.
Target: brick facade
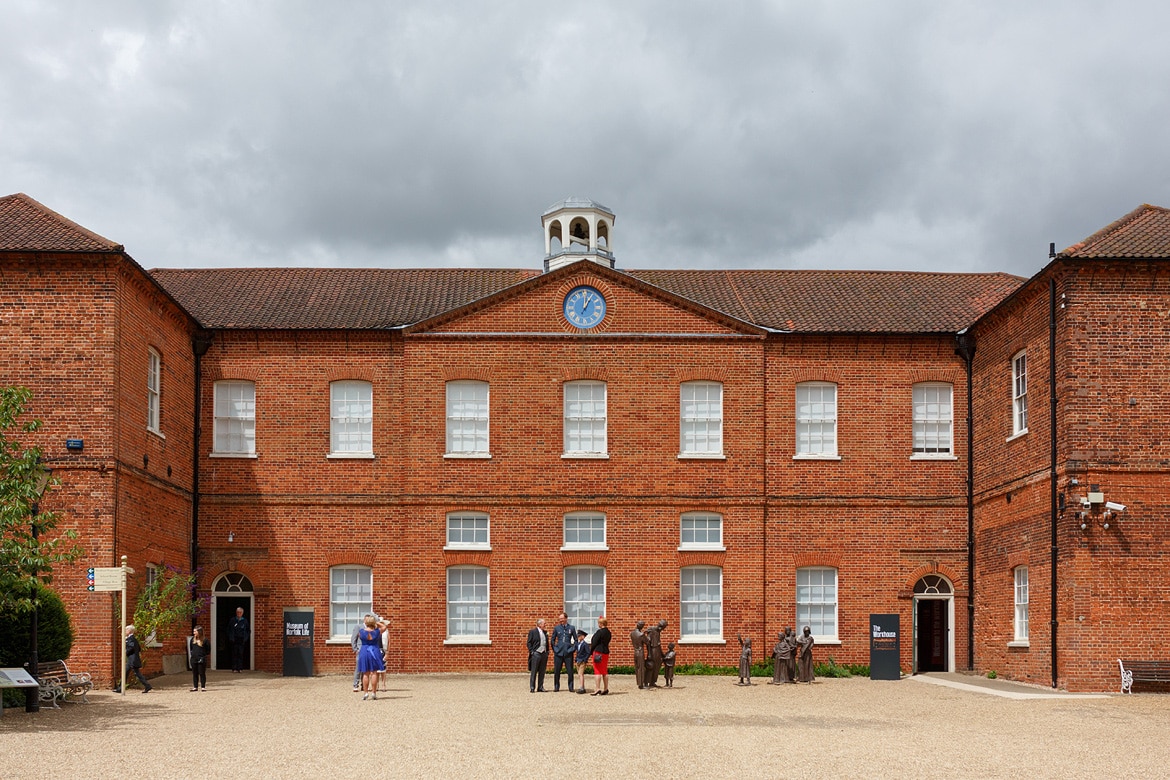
78	327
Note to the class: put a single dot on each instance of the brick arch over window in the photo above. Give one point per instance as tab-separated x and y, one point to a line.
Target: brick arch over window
342	373
934	568
695	374
815	375
456	373
831	559
350	559
209	576
584	373
928	375
216	374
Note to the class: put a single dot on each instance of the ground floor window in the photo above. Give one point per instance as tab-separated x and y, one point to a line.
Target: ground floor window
467	603
701	603
584	596
351	596
1021	604
816	601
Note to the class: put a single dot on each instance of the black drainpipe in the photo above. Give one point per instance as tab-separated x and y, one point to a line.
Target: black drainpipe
200	343
965	348
1052	438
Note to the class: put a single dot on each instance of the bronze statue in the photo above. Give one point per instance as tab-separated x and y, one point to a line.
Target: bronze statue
805	642
782	659
745	660
668	665
654	643
639	641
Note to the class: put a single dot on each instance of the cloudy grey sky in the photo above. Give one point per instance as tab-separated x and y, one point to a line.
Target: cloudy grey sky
854	134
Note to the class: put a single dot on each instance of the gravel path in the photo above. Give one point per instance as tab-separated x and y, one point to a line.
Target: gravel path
470	726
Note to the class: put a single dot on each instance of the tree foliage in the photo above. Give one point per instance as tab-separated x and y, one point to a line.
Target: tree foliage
165	604
28	549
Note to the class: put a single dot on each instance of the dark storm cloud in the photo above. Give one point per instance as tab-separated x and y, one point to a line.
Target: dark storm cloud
906	135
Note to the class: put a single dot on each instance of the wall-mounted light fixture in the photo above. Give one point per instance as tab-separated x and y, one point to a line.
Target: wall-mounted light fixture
231	536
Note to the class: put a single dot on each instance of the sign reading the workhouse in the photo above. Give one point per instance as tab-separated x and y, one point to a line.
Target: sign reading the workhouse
884	648
298	642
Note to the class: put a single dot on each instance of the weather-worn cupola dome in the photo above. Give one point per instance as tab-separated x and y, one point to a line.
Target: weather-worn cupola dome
577	229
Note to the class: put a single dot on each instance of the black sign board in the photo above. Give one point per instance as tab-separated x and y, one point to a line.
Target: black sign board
298	642
884	648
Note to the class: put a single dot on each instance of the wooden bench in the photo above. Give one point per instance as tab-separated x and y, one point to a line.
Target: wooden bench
57	682
1144	671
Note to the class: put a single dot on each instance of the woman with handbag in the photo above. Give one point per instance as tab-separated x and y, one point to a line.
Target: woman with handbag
599	647
197	652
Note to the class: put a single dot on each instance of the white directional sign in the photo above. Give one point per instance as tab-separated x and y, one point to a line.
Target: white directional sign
109	578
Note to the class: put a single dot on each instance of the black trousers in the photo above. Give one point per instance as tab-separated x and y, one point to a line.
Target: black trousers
537	663
199	675
141	677
238	655
567	662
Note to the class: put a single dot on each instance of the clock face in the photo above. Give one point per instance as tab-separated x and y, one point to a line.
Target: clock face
584	307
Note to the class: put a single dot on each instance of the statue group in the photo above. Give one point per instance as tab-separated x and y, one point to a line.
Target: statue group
649	660
792	657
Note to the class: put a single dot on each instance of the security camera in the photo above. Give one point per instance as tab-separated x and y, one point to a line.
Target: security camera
1114	506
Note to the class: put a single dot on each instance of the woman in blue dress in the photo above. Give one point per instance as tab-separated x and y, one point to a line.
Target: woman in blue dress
369	661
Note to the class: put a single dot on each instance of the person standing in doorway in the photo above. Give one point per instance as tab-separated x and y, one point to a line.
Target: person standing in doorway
197	652
239	632
564	641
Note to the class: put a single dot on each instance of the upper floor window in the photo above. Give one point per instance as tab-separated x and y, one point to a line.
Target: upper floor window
351	598
467	418
1020	393
467	604
467	531
153	390
816	419
351	417
933	419
701	603
235	418
585	418
701	418
701	531
585	531
1021	628
816	601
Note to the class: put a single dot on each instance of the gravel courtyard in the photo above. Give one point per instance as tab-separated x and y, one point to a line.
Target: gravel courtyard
471	726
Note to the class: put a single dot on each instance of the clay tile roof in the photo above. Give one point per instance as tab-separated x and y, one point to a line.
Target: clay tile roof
1142	233
842	301
328	298
29	226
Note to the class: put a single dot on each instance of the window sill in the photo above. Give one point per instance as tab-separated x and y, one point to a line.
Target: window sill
584	548
232	455
701	456
817	641
816	457
156	432
468	455
934	457
1015	436
468	641
585	456
702	640
468	547
350	456
1019	643
701	548
337	640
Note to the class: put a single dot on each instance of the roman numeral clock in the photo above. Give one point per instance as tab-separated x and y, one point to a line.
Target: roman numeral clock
585	307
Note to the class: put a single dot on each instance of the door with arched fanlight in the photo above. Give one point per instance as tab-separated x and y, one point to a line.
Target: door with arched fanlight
934	618
231	591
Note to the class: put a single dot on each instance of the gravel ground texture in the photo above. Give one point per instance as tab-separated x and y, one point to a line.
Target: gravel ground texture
256	725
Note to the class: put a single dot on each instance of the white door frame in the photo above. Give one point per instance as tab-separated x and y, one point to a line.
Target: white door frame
949	652
251	610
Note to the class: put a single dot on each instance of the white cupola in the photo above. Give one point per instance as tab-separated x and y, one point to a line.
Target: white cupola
577	229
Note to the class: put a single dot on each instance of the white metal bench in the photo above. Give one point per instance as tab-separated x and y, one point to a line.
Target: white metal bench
1142	671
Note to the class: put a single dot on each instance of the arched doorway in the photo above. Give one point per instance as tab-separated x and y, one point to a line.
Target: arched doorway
934	615
231	590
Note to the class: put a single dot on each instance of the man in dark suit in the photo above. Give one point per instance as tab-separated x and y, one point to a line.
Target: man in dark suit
537	657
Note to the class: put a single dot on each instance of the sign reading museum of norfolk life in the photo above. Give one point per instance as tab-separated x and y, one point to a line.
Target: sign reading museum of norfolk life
298	641
884	648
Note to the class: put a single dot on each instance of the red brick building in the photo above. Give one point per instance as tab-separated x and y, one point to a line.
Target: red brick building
465	450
